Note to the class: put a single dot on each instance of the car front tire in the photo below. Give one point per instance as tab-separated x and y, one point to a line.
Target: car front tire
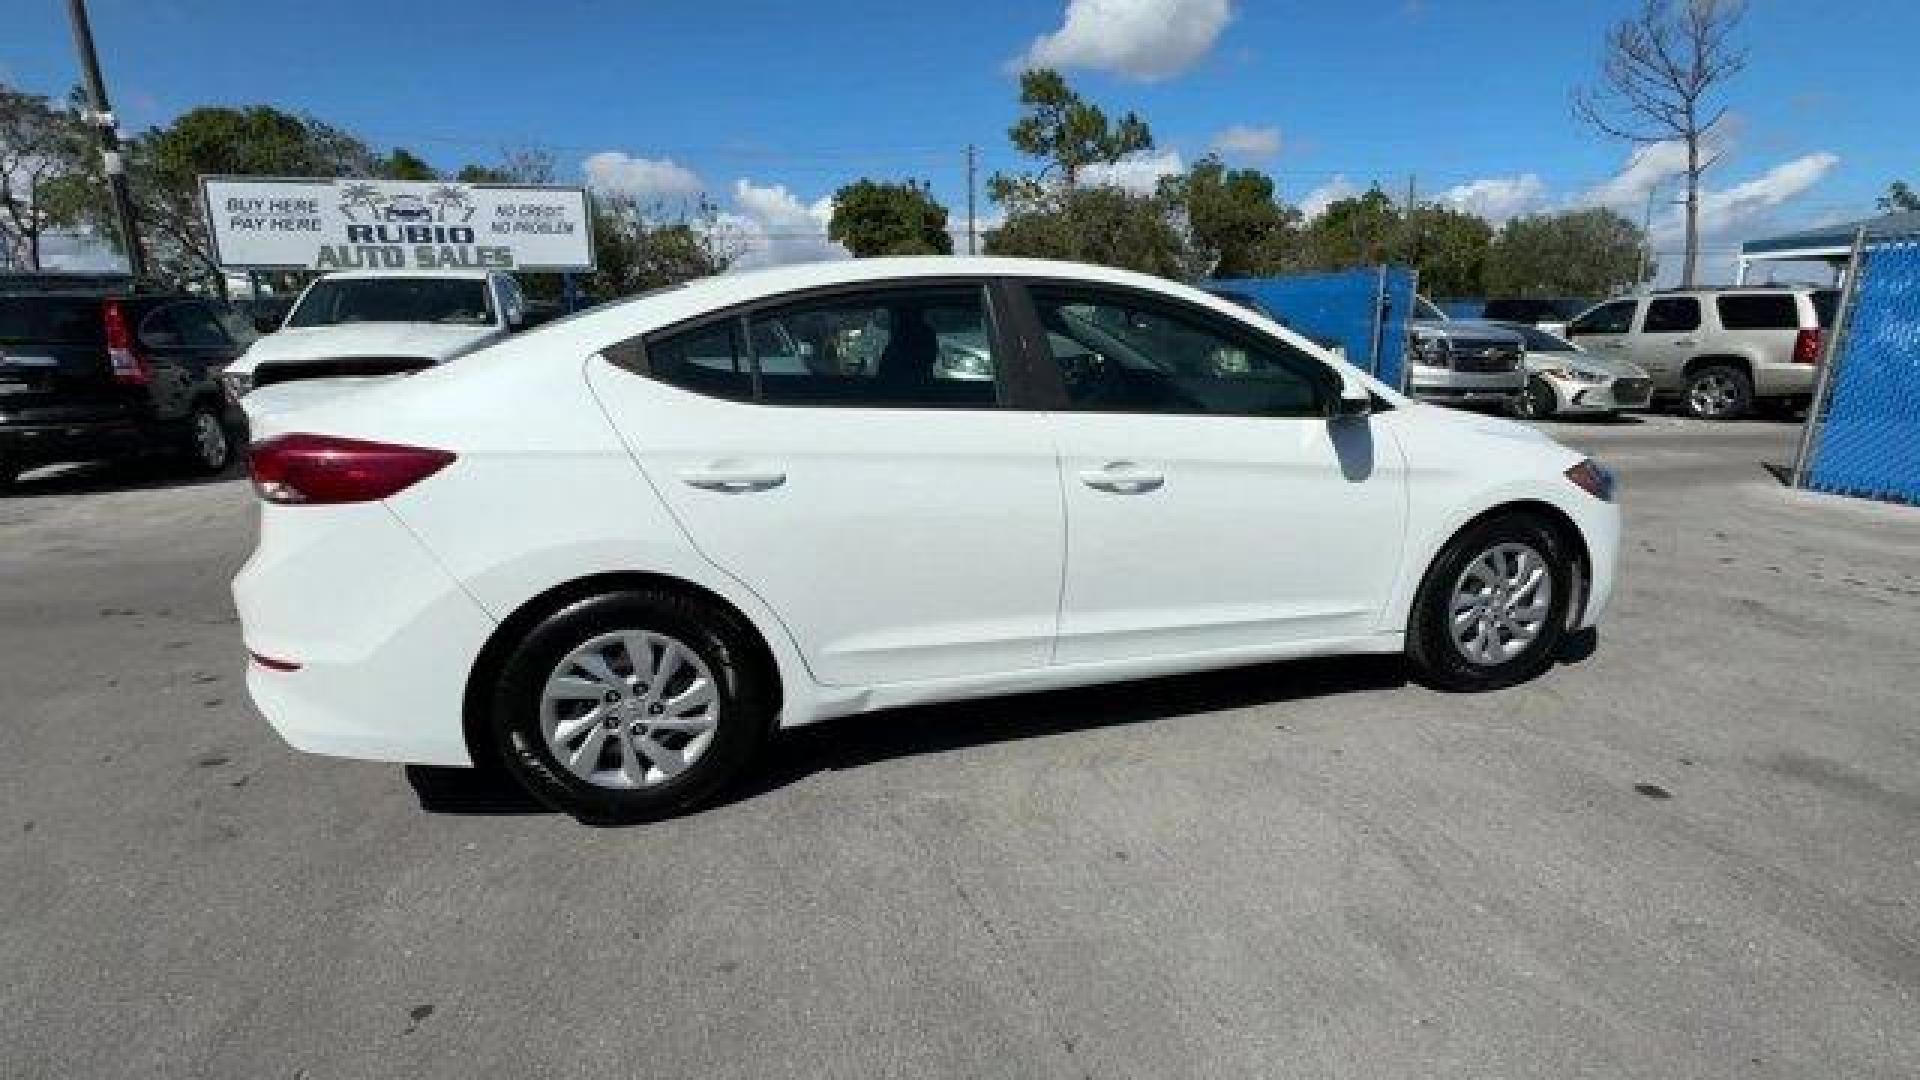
632	706
1537	401
1493	607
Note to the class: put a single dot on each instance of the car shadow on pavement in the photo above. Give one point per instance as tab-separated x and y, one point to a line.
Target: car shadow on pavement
120	474
857	741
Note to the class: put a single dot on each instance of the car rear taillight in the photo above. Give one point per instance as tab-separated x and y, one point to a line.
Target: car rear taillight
1806	346
128	365
303	469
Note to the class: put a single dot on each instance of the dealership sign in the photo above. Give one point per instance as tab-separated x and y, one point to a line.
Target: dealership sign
351	224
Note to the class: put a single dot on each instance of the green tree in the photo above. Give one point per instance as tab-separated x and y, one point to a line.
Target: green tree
41	145
1580	253
639	247
874	219
1235	222
1899	199
1449	250
404	164
1363	230
1105	225
1067	133
164	166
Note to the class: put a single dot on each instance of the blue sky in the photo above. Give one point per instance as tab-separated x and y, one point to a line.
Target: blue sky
768	106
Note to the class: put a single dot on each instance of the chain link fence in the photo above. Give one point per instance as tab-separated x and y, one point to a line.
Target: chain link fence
1863	430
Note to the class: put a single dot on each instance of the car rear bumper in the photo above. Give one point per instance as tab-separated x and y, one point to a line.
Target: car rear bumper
28	443
1784	380
383	637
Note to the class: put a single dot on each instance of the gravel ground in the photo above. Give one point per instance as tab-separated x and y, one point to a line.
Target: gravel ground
1696	853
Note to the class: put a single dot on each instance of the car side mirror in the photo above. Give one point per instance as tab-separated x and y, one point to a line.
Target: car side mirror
1355	400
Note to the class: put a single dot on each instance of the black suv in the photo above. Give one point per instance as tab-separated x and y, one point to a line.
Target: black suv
94	367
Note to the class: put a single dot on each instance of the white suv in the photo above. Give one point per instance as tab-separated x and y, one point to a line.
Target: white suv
1721	352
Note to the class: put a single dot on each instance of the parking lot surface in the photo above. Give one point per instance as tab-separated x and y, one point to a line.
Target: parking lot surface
1695	853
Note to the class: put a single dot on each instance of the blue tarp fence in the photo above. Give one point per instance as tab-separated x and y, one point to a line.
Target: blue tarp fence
1864	437
1364	310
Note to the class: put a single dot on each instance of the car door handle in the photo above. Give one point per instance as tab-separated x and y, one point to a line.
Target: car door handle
732	481
1686	343
1122	478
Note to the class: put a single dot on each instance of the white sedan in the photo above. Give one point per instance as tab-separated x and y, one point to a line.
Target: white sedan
613	554
1564	379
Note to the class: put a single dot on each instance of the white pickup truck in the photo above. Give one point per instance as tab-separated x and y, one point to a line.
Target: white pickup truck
354	327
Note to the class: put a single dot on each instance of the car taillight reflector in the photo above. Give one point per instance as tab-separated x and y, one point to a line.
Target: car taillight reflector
1806	346
321	469
1593	478
128	365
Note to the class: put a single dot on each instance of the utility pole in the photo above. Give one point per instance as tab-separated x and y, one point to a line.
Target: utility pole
1646	240
972	232
1413	229
100	115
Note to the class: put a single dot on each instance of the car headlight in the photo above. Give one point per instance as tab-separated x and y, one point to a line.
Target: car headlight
238	384
1573	375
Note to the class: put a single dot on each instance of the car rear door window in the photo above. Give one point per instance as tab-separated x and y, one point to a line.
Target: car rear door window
1121	353
1672	315
1758	311
895	348
706	359
1611	318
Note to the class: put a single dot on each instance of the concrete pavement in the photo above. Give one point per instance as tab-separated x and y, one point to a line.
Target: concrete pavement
1697	853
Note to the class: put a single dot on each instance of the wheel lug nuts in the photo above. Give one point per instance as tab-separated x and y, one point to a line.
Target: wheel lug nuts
656	709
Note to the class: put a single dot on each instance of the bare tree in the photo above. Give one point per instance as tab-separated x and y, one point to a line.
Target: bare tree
1657	80
37	145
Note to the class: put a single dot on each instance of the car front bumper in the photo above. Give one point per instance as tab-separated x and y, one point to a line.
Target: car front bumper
1604	397
1446	384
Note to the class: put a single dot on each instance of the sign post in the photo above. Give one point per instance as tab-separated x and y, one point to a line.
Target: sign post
260	223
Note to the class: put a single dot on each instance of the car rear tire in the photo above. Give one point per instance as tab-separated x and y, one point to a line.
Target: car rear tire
632	706
1718	392
1493	606
209	443
1536	402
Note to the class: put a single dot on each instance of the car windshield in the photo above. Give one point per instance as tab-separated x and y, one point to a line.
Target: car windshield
1538	340
336	301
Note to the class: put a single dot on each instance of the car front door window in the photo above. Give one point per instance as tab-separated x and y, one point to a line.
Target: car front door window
1115	354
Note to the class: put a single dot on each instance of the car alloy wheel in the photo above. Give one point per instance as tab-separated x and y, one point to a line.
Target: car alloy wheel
1501	603
1719	393
630	709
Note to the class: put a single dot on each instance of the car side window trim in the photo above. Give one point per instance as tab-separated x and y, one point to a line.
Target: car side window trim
1050	389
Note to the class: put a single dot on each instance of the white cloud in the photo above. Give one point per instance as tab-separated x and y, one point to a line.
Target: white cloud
1724	211
1248	143
1141	39
770	225
1315	202
1647	167
645	179
1139	174
1498	198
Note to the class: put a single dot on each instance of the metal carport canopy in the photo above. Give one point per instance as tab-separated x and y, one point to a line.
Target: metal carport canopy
1828	243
